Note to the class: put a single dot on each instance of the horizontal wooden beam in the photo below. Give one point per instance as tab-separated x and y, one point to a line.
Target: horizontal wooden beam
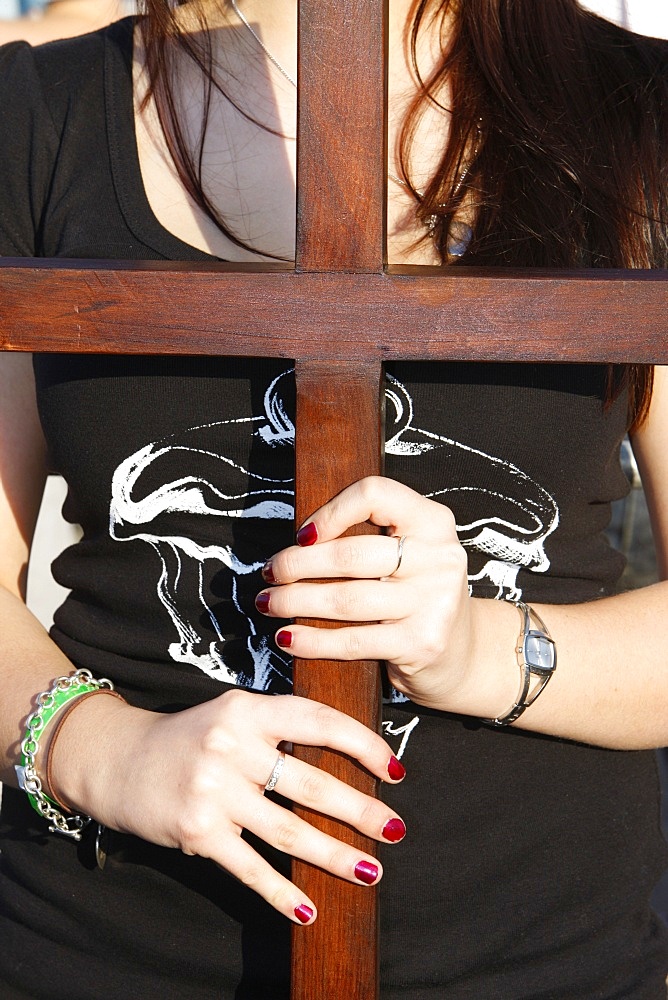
406	313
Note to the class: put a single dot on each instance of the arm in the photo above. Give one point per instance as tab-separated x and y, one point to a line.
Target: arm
649	446
448	651
193	780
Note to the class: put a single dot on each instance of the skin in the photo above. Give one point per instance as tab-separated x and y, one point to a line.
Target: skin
61	19
193	780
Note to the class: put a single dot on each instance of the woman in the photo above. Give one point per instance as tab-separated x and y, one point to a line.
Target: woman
521	133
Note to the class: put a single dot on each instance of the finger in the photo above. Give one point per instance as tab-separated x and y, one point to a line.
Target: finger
289	833
245	864
301	720
354	556
383	641
359	601
369	557
323	793
383	502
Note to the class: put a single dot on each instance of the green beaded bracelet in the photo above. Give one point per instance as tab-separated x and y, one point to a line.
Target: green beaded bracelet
49	703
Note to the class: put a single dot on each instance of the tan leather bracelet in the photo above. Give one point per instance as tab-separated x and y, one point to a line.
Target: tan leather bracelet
62	716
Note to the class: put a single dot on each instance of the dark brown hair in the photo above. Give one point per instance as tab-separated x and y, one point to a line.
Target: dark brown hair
165	42
557	147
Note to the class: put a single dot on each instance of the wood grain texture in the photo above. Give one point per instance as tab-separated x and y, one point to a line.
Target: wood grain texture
340	228
341	136
339	419
465	314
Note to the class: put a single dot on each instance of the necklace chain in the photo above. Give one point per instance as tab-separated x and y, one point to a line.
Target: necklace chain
246	23
457	246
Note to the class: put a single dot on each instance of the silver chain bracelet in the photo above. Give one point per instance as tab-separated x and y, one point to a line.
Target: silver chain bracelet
49	703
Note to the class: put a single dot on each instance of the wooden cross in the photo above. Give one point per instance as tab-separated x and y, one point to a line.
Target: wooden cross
340	312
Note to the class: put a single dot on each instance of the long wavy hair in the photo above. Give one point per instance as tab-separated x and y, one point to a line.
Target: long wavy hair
556	146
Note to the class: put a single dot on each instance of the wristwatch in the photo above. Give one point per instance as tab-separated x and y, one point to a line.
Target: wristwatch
537	659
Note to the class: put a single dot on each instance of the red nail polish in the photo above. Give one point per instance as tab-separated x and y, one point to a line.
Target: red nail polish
262	602
303	913
396	769
366	872
268	573
284	639
308	535
394	830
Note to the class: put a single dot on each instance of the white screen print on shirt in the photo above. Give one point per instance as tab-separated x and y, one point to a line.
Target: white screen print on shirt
196	476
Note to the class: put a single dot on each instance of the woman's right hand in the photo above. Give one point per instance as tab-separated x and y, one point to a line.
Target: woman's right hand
195	779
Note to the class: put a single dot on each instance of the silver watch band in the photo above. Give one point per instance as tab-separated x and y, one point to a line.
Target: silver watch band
537	659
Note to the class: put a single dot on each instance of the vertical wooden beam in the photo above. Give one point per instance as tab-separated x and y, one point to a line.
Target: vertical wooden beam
339	415
340	227
341	135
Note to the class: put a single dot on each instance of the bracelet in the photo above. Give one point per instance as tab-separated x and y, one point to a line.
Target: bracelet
74	702
49	703
536	654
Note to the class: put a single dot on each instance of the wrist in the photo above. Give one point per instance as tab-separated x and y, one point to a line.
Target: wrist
491	677
88	756
536	654
43	724
51	738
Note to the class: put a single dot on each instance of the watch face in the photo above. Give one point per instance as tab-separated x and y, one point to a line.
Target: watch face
539	652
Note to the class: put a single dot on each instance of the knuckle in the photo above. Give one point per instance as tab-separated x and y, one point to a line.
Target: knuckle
451	559
215	741
235	701
251	876
286	836
352	645
369	488
192	832
372	746
327	720
233	696
286	566
447	516
313	788
458	557
338	859
344	601
427	642
371	815
351	555
279	898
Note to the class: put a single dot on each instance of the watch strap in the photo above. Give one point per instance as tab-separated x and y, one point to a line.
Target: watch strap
537	659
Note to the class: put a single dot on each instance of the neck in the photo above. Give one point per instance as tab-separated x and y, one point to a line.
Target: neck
272	27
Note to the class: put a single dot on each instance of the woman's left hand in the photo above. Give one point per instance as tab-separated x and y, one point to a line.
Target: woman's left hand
417	616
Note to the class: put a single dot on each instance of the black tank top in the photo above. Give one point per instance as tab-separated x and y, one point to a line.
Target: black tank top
529	860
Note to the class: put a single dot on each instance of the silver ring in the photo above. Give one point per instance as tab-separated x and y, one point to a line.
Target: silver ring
276	773
400	552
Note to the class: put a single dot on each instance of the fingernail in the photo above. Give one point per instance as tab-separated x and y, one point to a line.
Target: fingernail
396	769
268	573
284	639
308	535
303	913
262	602
394	830
366	872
